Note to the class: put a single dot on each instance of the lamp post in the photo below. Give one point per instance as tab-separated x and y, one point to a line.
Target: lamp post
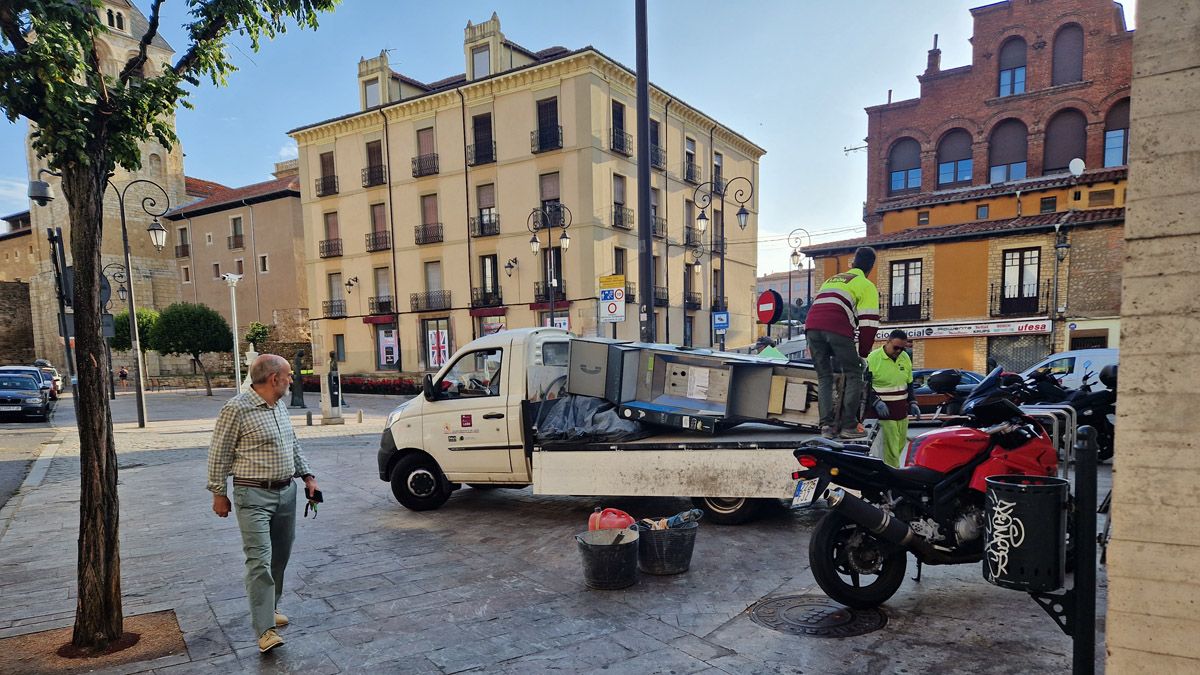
1061	246
703	197
232	280
120	275
40	192
794	241
547	217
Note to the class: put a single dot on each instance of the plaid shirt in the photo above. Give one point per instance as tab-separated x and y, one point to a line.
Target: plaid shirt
253	440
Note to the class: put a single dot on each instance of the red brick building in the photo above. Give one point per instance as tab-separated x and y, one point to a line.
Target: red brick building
970	203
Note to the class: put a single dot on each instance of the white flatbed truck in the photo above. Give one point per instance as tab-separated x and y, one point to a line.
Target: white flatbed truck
474	424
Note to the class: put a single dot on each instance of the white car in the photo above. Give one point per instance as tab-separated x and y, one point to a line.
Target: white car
1071	367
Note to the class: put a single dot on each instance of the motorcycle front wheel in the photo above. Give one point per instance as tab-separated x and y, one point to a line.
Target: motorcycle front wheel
839	548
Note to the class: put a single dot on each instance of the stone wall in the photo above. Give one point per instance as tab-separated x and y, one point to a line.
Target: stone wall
16	330
1152	622
1095	288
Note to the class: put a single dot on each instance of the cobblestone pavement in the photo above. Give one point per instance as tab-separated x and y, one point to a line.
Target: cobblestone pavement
490	582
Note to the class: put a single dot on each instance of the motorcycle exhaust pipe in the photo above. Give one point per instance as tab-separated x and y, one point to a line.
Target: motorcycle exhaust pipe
878	522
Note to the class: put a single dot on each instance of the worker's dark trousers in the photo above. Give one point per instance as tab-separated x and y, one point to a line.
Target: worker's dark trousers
836	359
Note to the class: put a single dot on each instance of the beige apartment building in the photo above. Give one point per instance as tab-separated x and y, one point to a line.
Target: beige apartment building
416	207
16	248
253	231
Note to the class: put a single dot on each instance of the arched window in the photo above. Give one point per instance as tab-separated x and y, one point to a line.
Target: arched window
120	21
1007	150
111	21
1066	139
1068	55
954	158
155	164
1116	134
904	167
1012	67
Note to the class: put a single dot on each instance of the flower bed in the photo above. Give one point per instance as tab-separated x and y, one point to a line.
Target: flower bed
357	384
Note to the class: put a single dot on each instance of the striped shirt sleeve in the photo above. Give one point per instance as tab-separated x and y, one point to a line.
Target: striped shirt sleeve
221	449
867	308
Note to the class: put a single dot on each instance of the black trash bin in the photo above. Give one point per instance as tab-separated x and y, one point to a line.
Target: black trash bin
1025	532
667	551
608	566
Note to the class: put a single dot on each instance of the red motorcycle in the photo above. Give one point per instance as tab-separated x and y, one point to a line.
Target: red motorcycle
933	507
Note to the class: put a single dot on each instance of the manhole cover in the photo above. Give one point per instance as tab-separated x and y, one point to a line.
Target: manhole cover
816	617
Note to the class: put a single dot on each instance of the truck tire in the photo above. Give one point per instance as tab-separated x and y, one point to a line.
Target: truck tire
418	483
728	510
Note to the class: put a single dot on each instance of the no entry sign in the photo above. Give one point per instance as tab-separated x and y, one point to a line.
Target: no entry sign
770	307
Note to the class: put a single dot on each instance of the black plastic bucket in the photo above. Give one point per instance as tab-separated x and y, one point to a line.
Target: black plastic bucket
608	566
667	551
1025	532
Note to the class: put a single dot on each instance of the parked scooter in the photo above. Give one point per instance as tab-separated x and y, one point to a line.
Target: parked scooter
932	508
1093	407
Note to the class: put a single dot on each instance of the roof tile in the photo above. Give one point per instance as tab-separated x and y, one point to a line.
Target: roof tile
232	196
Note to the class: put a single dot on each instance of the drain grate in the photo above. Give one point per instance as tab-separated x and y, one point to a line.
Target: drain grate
815	617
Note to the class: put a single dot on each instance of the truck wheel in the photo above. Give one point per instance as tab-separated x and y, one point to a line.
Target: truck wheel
728	510
418	483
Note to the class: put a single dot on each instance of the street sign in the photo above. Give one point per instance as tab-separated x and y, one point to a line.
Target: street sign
770	307
720	322
612	298
105	290
108	327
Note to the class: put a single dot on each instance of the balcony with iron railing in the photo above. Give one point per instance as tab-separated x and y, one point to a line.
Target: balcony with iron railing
660	226
235	241
381	304
720	304
481	153
621	142
1019	300
542	290
661	296
429	301
379	241
486	297
691	172
487	225
546	139
326	185
333	309
907	306
329	248
552	215
718	245
374	175
631	293
425	165
691	300
429	233
183	250
718	184
658	157
692	236
622	217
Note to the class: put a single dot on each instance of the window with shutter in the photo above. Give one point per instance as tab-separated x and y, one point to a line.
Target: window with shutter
954	158
904	166
1007	151
1066	139
1012	68
1068	55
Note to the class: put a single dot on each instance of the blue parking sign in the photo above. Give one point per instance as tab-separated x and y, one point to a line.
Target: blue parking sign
720	321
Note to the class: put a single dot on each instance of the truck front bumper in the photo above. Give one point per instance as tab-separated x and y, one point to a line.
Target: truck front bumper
387	450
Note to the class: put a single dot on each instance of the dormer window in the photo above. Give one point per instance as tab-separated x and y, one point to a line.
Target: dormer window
481	62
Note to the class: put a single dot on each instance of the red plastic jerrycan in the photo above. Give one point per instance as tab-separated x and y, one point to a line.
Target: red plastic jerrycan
609	519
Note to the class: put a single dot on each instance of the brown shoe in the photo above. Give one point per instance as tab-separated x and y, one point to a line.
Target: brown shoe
268	641
281	620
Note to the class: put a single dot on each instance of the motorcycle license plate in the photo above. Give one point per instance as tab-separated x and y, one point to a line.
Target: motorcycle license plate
806	492
10	408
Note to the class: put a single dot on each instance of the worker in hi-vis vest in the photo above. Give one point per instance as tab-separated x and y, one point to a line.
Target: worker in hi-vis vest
891	378
847	303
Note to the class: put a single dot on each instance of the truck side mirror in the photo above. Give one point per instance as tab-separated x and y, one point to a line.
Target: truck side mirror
427	388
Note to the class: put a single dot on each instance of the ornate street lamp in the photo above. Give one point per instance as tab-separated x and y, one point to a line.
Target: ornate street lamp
794	241
547	217
703	197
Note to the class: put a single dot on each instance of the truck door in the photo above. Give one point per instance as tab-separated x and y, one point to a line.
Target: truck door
469	416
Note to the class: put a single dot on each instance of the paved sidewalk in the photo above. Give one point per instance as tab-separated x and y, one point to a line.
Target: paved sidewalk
490	582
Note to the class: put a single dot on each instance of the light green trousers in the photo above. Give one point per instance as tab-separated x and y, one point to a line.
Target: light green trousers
895	439
267	519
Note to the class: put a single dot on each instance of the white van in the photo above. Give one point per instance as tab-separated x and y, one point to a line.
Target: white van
1071	367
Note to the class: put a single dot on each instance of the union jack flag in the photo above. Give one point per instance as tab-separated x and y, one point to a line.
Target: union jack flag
439	348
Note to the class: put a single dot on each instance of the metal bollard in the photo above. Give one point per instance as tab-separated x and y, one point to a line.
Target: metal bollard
1084	657
360	415
308	418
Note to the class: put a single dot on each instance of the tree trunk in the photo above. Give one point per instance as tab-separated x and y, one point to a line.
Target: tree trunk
98	615
207	382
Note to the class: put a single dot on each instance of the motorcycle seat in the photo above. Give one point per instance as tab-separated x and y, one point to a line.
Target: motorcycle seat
838	446
916	475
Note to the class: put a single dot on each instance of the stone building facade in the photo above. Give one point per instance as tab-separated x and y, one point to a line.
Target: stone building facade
16	248
16	330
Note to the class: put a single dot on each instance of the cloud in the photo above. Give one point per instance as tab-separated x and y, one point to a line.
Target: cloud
13	195
288	151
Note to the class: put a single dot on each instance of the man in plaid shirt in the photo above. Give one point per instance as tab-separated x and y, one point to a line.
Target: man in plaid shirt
254	442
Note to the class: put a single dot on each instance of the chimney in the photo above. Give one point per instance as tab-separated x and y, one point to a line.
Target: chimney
934	65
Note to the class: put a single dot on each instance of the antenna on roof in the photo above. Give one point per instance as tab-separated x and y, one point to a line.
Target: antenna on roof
847	150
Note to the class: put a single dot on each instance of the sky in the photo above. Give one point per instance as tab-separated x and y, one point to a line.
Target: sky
793	76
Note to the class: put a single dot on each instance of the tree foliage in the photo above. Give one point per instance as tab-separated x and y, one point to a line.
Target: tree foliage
191	329
146	319
258	334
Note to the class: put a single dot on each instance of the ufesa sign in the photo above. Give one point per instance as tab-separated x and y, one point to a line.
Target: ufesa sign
991	328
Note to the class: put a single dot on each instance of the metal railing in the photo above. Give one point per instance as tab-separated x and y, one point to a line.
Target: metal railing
915	307
541	292
622	217
692	236
691	172
631	293
621	142
661	296
1029	300
720	304
381	304
691	300
658	157
485	225
545	139
718	184
481	153
660	226
429	301
552	215
425	165
329	248
235	241
374	175
333	308
326	185
379	241
718	245
183	250
429	233
486	297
